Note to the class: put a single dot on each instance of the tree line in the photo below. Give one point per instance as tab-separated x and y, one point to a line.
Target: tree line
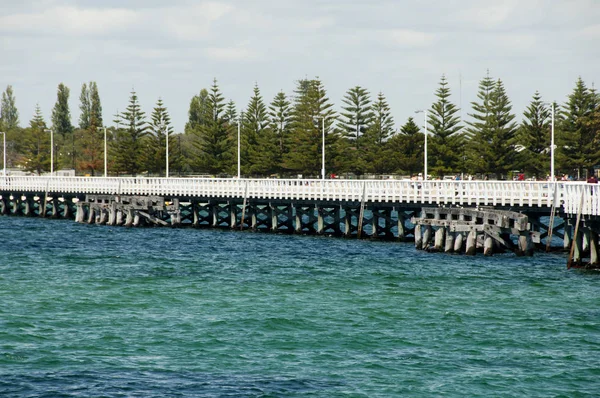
284	137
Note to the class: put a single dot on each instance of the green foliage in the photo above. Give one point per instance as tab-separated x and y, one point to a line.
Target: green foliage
89	138
379	130
445	145
128	147
285	138
578	140
405	150
36	145
199	113
533	138
63	129
311	107
90	107
356	114
213	138
492	145
355	118
260	139
159	131
9	115
280	119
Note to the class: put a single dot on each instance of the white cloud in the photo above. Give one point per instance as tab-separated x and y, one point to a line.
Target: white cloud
487	16
409	38
69	20
515	42
592	31
192	23
228	53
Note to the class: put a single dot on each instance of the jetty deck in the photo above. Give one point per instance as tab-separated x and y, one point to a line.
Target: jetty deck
386	209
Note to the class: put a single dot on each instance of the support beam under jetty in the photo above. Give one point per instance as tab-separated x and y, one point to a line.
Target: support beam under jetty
486	229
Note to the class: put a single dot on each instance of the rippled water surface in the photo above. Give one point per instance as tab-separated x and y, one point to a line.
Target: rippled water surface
108	311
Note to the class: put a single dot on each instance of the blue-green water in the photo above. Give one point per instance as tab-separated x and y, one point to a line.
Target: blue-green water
108	311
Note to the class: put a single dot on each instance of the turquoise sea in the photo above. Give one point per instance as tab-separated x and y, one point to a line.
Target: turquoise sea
90	311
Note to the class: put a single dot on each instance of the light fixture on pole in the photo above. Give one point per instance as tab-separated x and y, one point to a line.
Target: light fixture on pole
3	153
322	146
51	151
167	140
105	154
425	114
239	145
552	177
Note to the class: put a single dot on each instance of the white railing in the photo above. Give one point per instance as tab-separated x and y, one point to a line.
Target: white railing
468	193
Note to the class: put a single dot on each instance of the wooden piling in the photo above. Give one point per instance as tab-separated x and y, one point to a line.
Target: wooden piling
426	237
449	244
488	245
418	237
594	248
471	243
438	244
401	228
458	242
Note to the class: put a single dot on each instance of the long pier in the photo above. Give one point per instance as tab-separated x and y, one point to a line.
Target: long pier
376	209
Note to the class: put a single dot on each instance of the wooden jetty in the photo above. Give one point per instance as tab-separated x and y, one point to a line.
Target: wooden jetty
448	216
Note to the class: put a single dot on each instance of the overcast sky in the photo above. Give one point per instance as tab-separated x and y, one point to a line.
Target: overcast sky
173	49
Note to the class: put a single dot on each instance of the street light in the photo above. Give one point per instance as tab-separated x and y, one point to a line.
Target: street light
425	114
105	154
4	153
51	151
239	145
551	104
322	147
167	155
164	129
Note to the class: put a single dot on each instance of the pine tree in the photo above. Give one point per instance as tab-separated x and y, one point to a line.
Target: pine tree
404	151
446	142
9	115
379	130
128	147
533	138
63	129
260	140
231	121
199	112
89	148
479	134
279	114
311	107
36	145
577	149
85	107
213	139
95	106
504	131
492	144
356	115
159	130
355	118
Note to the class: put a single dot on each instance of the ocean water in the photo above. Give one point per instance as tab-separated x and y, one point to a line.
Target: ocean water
90	310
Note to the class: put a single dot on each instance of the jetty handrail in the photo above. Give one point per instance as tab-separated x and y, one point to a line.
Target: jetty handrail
480	193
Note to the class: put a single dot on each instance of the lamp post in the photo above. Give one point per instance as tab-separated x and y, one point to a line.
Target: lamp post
51	151
3	153
551	141
425	114
552	146
105	154
322	146
239	145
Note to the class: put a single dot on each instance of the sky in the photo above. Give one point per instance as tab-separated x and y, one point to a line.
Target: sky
173	49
